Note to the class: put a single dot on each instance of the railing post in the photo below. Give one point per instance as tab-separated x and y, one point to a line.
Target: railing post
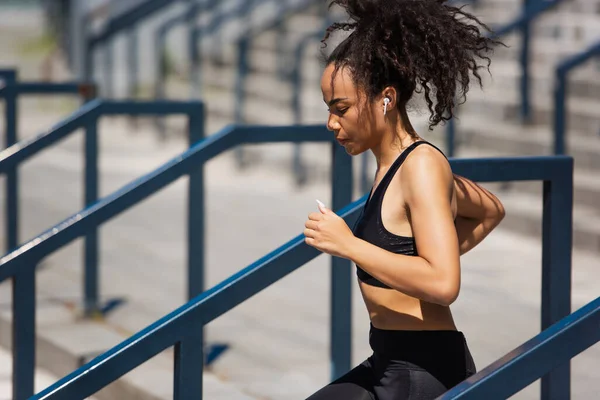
195	61
12	189
23	333
161	76
132	53
196	237
240	95
88	58
298	166
108	69
90	283
525	111
556	270
159	51
189	367
341	272
451	136
559	111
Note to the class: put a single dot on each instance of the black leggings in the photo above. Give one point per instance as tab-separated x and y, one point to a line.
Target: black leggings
405	365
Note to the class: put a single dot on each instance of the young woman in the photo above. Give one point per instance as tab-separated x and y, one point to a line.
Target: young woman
419	217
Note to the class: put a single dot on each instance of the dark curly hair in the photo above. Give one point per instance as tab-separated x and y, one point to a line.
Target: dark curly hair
413	45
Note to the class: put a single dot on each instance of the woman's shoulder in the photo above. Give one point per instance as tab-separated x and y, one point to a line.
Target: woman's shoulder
426	166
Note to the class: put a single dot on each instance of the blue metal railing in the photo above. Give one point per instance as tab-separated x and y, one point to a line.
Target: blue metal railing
243	45
124	23
20	264
242	8
552	348
531	10
87	117
560	90
183	327
296	78
10	92
189	17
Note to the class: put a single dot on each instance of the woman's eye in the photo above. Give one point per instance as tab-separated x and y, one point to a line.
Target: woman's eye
338	111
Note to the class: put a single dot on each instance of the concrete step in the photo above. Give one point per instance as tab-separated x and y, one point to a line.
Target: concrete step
43	378
65	342
582	83
586	185
503	104
511	139
298	18
524	215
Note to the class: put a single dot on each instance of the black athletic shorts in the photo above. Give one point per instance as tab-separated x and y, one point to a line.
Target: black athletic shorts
405	365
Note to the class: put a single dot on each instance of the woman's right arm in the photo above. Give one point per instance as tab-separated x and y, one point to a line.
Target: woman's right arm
478	213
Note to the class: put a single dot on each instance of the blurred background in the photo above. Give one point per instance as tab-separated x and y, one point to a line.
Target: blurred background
258	62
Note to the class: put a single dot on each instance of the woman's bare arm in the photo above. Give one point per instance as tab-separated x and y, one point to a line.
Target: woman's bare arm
478	213
433	275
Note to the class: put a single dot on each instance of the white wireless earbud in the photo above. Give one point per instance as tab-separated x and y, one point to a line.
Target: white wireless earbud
386	101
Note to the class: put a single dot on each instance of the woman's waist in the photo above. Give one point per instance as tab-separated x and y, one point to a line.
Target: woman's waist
391	310
443	353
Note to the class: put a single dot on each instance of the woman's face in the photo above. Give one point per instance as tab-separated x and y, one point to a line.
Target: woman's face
354	120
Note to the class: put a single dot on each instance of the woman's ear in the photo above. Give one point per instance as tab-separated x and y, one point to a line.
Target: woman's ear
391	94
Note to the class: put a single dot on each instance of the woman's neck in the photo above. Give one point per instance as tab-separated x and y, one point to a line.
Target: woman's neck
399	135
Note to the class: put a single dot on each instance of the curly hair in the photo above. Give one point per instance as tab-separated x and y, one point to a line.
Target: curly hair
413	45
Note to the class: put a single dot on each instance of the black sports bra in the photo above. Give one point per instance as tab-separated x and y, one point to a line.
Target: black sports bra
369	225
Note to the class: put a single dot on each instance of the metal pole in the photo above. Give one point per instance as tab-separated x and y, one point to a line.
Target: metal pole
161	76
23	333
556	270
90	283
341	272
194	56
12	189
196	236
240	98
525	111
451	137
132	53
108	69
189	366
559	112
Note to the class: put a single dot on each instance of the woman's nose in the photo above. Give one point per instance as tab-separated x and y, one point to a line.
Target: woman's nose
332	123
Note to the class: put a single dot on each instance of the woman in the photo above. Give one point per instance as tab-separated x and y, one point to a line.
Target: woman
419	217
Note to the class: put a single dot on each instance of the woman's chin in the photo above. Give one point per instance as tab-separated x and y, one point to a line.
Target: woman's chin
353	150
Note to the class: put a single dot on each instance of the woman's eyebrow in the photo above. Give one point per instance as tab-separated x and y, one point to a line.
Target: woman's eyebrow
334	101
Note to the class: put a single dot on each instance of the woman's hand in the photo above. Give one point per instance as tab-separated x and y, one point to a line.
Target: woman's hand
328	233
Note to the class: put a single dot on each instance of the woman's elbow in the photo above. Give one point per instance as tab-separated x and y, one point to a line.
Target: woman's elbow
446	294
497	214
500	213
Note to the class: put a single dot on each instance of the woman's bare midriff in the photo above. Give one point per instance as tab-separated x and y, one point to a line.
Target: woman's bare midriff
391	310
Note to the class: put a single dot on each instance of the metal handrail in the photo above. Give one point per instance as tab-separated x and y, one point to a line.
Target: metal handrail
183	327
125	22
87	117
551	348
10	91
560	89
531	10
243	46
212	28
20	264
